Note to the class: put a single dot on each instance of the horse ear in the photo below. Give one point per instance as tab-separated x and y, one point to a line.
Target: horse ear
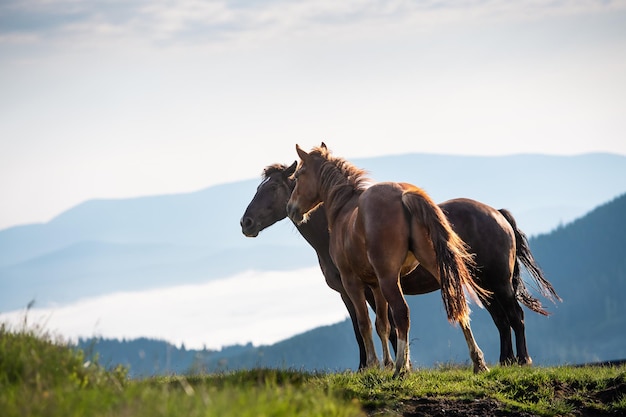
301	153
323	146
289	171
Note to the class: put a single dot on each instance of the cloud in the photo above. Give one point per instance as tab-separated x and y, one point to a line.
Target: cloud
218	313
185	21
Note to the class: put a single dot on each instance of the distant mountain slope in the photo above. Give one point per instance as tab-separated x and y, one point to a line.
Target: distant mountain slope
541	190
585	260
587	263
104	246
208	218
324	348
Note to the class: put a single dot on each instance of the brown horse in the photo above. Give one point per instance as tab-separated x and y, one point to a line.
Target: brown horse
492	235
379	233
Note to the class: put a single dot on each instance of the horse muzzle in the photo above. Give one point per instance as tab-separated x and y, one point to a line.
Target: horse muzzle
249	227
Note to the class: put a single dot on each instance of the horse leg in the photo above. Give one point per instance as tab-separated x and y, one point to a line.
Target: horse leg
507	357
517	322
401	318
393	334
425	253
355	328
382	325
475	353
501	321
387	271
509	315
355	289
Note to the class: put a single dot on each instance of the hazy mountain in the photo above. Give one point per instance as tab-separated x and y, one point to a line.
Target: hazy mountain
107	246
541	190
104	246
206	219
585	260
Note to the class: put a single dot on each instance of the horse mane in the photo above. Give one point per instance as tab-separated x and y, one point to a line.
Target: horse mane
271	169
340	178
337	172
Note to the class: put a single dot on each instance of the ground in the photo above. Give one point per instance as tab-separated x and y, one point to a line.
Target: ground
428	407
486	407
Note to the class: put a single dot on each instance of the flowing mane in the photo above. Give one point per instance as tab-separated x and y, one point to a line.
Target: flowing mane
341	180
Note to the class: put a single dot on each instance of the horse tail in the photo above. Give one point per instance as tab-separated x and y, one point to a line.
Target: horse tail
524	256
454	262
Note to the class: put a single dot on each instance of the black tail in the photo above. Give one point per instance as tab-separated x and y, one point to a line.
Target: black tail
526	258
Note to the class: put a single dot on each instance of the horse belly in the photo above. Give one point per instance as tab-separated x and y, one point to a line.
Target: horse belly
409	264
362	267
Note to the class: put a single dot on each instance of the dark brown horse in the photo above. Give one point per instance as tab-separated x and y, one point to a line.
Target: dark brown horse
494	238
379	233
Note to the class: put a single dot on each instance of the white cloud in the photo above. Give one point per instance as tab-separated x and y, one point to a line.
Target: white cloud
216	21
262	308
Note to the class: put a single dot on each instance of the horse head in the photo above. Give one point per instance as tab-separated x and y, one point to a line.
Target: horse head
306	195
269	204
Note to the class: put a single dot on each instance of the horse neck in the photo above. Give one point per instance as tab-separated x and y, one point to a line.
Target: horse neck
337	199
315	231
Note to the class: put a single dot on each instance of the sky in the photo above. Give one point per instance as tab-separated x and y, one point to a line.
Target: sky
114	99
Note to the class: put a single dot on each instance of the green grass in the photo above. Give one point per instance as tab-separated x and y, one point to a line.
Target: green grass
43	376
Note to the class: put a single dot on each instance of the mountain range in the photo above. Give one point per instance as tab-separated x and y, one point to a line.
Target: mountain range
104	246
585	260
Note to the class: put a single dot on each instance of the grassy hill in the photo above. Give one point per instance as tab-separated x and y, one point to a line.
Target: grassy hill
40	376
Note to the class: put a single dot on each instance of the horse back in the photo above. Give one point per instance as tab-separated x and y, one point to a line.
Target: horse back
488	234
383	221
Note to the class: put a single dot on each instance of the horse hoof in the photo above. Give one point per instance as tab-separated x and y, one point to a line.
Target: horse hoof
400	374
527	361
375	365
508	361
481	368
